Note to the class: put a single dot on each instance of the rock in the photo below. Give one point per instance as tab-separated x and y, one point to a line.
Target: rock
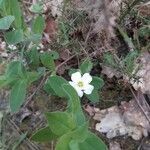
134	116
99	114
126	120
114	146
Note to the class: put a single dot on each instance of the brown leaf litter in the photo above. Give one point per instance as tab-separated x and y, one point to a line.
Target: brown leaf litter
104	13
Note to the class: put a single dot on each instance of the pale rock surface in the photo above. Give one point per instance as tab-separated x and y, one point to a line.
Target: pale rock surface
116	122
114	146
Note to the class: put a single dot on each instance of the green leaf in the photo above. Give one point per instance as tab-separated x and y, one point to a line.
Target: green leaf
54	55
2	81
41	71
76	136
74	105
86	66
72	70
80	130
1	1
129	61
14	37
97	82
63	142
94	96
44	135
35	38
38	25
18	94
36	8
6	22
92	143
127	39
109	60
32	76
48	61
144	31
74	145
55	83
6	81
48	89
60	122
15	70
12	7
17	13
33	58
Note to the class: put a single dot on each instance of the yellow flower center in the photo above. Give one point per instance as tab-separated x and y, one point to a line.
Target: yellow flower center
80	84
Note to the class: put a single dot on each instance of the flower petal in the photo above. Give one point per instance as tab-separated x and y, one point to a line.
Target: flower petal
78	90
75	77
80	93
87	78
88	89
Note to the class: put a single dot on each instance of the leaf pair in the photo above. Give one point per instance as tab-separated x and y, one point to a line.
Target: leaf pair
6	22
19	79
70	127
35	59
59	86
12	7
60	125
17	36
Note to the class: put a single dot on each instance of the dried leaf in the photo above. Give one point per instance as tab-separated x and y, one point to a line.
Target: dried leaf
50	30
114	146
110	72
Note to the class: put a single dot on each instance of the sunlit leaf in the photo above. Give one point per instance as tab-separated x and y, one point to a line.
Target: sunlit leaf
17	95
44	135
14	37
92	143
86	66
38	25
6	22
55	83
60	122
74	105
47	61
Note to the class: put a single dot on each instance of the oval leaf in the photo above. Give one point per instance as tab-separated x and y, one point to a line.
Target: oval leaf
92	143
74	104
55	83
60	122
18	94
48	61
44	135
14	37
38	25
86	66
6	22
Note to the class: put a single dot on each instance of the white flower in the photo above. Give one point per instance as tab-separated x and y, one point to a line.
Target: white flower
81	83
13	47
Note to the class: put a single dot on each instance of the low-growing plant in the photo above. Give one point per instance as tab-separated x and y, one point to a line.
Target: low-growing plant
124	65
69	128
